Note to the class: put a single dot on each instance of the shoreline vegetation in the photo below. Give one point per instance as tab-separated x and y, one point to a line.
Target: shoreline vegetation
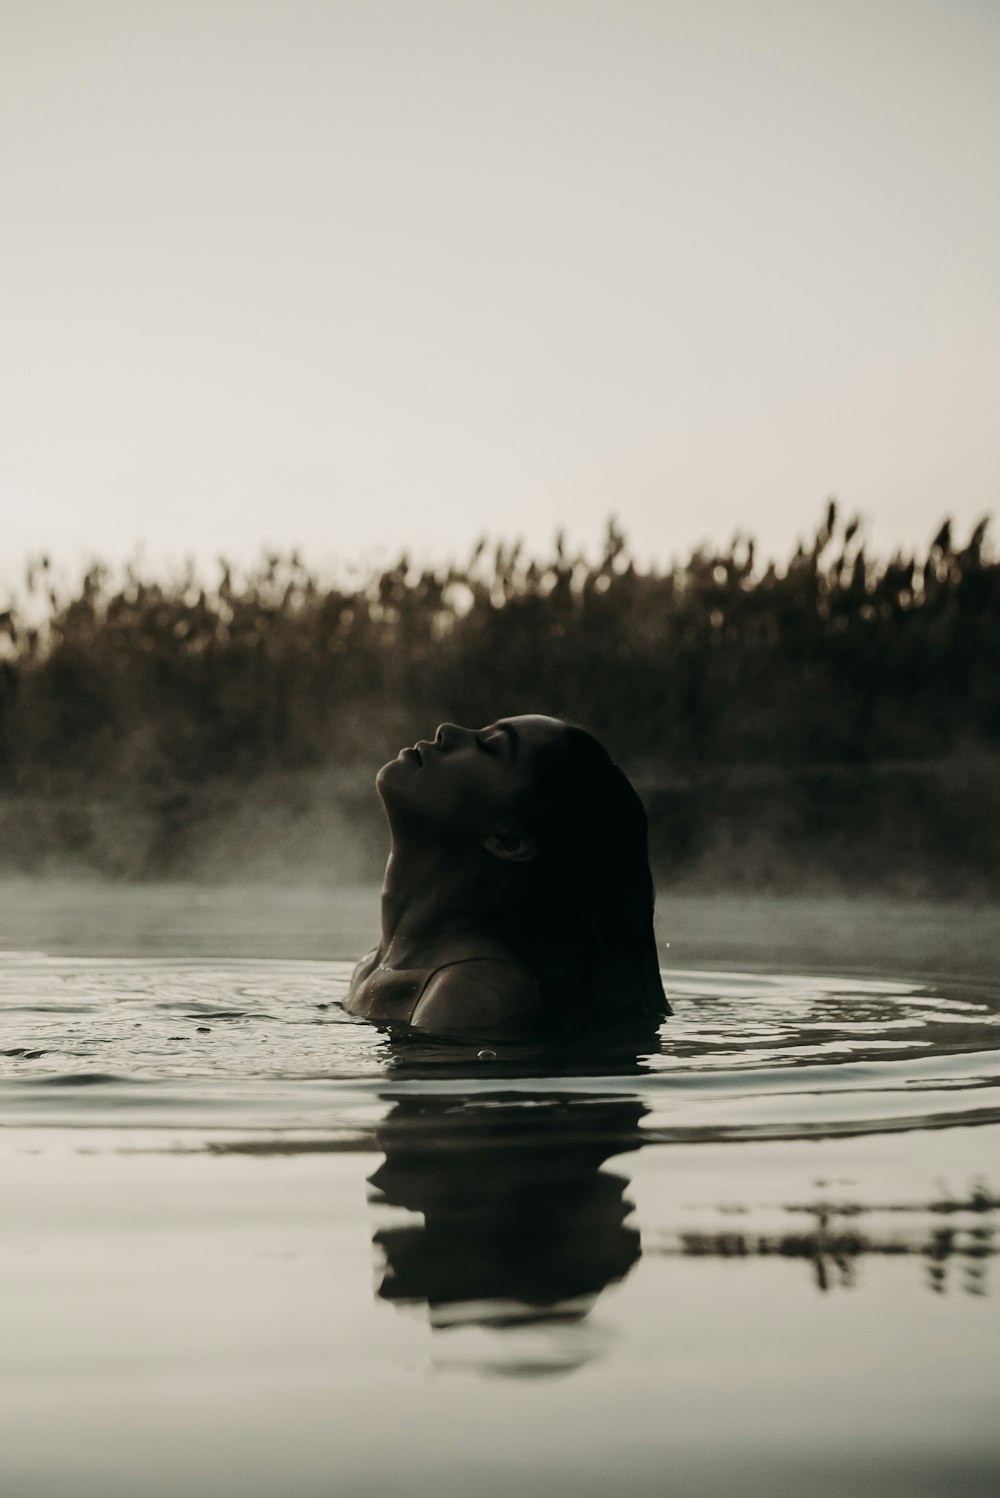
832	723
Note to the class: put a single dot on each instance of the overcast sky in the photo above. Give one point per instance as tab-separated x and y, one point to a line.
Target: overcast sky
374	275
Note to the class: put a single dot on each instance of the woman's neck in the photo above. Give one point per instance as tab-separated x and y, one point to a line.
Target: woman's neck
430	892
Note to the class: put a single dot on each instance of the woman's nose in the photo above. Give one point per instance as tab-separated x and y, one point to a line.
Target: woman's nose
448	735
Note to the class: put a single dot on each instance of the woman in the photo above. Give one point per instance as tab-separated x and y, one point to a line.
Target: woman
517	894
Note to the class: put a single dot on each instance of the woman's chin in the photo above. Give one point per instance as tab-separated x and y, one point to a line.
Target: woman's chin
394	773
385	776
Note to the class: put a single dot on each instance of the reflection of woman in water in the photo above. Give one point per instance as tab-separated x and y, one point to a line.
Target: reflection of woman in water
517	894
516	1223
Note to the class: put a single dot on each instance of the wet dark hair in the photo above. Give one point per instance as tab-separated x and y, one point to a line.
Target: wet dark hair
580	914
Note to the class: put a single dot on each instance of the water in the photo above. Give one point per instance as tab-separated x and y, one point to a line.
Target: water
254	1247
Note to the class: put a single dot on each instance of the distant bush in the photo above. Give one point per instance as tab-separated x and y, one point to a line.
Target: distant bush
836	658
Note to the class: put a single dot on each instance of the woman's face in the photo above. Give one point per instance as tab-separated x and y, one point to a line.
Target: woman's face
465	783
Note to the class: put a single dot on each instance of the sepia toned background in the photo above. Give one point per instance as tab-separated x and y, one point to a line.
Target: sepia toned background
364	365
304	302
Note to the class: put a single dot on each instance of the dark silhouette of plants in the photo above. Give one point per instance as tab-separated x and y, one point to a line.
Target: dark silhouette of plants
840	712
836	658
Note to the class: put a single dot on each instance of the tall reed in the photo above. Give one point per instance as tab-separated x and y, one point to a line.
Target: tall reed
836	657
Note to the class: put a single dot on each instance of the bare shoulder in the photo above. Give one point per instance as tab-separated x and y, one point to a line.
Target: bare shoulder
354	1000
477	995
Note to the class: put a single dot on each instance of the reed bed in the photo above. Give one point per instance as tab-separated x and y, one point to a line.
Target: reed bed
715	672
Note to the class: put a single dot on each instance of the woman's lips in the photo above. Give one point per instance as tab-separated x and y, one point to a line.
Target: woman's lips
415	752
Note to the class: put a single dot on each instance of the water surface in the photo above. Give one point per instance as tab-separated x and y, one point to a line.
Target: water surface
254	1246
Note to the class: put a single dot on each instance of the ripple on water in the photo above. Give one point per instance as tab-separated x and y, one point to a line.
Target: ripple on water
265	1044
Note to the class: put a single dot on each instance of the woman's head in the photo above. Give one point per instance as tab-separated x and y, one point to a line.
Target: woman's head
470	787
544	800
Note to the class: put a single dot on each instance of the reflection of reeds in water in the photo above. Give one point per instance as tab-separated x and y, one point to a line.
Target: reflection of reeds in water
837	1240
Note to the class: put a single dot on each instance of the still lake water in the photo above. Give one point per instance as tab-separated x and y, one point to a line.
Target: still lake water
253	1247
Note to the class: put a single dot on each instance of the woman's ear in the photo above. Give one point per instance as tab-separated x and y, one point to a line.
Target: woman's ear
510	844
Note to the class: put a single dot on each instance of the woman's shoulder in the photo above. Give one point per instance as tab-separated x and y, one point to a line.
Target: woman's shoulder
461	983
478	993
380	992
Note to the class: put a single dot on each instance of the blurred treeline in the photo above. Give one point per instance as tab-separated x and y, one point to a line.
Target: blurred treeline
811	710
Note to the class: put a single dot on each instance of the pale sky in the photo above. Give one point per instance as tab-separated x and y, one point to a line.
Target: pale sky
356	277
